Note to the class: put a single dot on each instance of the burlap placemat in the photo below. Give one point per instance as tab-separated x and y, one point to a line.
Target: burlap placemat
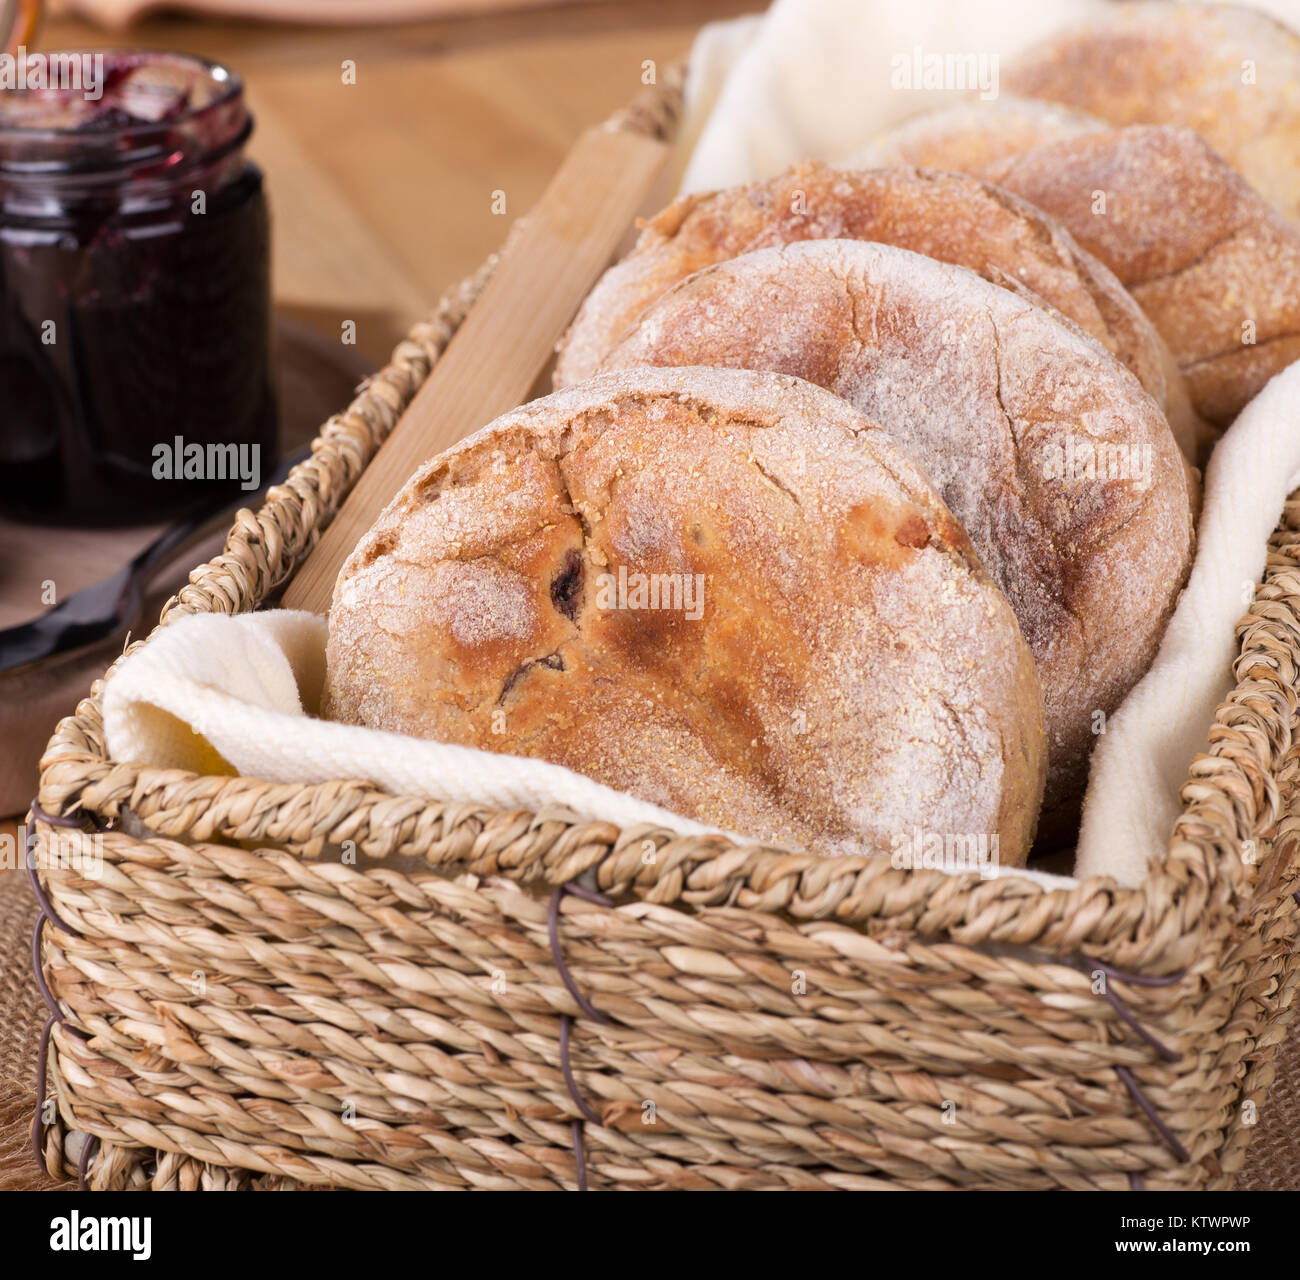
22	1015
1272	1163
1273	1157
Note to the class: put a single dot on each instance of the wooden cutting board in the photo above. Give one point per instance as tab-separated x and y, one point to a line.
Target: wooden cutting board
551	261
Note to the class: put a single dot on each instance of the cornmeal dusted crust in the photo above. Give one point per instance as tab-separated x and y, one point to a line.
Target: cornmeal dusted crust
853	675
999	404
970	136
1230	73
951	217
1202	253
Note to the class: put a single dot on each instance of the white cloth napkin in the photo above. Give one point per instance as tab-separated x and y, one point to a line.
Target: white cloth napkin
819	78
816	78
1141	761
218	694
214	694
222	695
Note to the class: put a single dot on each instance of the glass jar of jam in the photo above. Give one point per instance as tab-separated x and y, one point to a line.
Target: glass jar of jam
135	314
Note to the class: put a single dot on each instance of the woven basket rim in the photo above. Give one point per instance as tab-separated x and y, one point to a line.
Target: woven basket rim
1231	795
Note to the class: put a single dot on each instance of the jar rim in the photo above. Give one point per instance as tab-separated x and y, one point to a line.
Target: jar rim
132	150
216	72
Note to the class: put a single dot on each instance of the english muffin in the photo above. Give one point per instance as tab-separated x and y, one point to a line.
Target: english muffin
723	592
951	217
1230	73
1048	450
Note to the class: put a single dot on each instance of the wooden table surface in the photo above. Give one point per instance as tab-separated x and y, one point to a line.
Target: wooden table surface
383	191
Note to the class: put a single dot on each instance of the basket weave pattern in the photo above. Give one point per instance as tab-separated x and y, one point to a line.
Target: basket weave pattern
329	985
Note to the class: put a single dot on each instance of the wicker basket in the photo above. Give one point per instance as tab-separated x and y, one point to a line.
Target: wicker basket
518	1000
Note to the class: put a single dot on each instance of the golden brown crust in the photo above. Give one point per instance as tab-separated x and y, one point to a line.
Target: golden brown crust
1212	263
1230	73
947	216
1002	406
970	136
852	676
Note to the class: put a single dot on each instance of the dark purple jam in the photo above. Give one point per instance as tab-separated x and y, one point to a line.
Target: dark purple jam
134	295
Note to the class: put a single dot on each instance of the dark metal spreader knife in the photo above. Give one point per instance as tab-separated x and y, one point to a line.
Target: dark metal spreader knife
106	608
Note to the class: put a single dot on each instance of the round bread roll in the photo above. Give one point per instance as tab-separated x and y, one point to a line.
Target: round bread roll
1217	270
1228	72
948	216
1047	449
1212	263
970	136
720	591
